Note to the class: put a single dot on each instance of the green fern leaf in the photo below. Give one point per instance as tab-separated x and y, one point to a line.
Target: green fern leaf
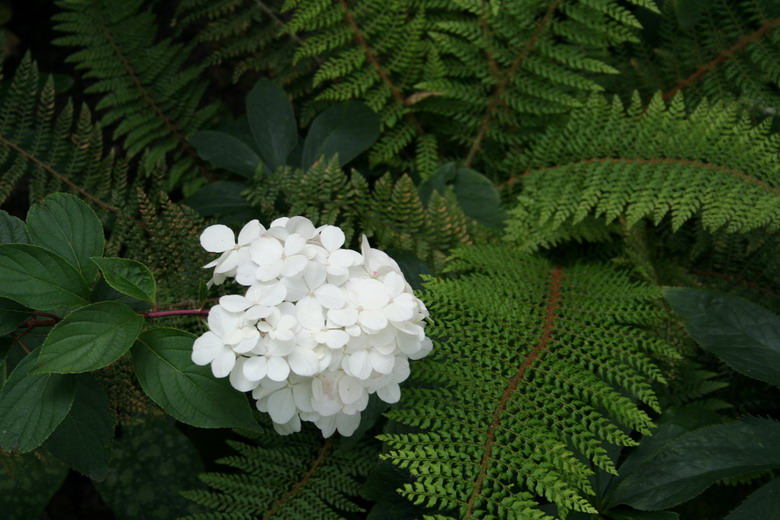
300	476
712	164
535	367
147	92
43	148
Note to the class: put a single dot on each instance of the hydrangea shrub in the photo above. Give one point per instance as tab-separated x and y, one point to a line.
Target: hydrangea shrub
319	327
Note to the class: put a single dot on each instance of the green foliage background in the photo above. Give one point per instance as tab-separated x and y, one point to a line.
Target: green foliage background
542	170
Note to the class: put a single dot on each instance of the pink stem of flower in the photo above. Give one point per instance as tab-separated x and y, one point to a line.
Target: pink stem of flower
180	312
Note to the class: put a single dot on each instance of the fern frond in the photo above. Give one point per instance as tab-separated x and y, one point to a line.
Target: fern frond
507	69
245	34
148	93
50	150
391	214
535	367
371	50
301	476
712	164
730	53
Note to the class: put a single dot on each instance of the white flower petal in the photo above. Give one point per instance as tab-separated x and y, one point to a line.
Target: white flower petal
314	275
217	239
426	345
247	344
389	393
281	406
303	362
294	244
227	262
255	368
291	426
399	312
382	363
278	369
327	425
310	314
350	389
302	395
301	226
250	232
269	271
223	363
345	258
265	250
360	365
394	283
332	237
336	338
206	348
330	296
372	320
372	294
347	424
238	380
234	303
221	321
293	265
343	317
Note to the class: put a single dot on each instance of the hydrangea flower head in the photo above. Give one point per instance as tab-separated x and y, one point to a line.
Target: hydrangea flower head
318	329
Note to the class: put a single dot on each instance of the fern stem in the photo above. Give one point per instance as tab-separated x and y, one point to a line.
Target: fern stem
189	150
720	58
550	314
272	15
62	178
305	478
180	312
742	175
374	61
503	82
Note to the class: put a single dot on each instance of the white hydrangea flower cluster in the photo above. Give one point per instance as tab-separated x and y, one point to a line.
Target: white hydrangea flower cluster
319	329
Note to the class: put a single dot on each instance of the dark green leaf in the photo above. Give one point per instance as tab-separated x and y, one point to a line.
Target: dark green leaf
11	315
65	225
673	422
476	195
745	335
39	279
692	462
103	292
763	504
27	483
642	515
152	463
218	197
128	277
12	230
272	121
90	338
226	152
83	439
188	392
33	405
346	130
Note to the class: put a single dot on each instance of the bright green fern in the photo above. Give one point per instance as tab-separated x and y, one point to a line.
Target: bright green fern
147	92
653	162
535	367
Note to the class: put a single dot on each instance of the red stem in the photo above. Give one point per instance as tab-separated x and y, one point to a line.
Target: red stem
181	312
32	323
